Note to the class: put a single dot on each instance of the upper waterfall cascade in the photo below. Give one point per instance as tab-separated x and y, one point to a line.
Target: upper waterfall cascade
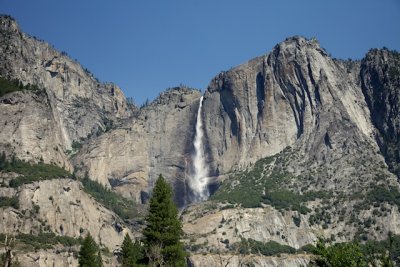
199	180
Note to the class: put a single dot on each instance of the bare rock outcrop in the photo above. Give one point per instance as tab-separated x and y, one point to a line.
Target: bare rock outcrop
232	260
46	258
56	258
29	130
62	207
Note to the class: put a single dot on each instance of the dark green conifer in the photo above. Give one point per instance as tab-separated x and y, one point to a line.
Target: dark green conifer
164	230
89	254
131	253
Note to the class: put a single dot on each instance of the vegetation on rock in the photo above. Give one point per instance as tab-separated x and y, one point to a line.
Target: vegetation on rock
9	202
131	254
264	183
89	254
43	240
47	240
8	86
33	172
29	173
125	208
246	246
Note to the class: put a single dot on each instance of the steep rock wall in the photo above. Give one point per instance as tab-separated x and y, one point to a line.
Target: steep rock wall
156	141
29	129
78	104
270	102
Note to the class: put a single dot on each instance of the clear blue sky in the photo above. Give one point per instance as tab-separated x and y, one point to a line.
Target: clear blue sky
146	46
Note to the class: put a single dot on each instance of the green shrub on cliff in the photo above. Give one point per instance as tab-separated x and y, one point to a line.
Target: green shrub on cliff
125	208
9	202
29	173
8	86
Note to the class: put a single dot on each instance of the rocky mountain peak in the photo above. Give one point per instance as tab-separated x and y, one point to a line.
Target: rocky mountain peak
383	54
8	24
175	95
291	44
295	50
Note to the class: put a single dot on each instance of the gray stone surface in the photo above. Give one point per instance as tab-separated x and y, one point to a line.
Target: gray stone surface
158	140
230	260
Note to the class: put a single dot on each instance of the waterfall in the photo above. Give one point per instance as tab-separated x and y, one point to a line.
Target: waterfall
198	181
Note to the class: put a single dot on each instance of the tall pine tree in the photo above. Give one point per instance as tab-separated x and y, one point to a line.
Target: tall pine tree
164	230
89	254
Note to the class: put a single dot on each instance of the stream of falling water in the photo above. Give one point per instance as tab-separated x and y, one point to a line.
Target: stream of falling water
198	181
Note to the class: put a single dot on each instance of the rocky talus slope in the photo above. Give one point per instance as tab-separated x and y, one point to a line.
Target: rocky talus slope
299	145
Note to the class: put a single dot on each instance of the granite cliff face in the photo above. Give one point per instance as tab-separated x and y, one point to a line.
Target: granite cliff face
29	129
74	108
294	122
73	104
157	140
331	126
295	93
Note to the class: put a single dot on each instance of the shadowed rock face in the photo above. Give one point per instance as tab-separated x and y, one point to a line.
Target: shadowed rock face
380	80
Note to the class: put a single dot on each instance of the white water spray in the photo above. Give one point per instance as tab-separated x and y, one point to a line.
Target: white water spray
198	181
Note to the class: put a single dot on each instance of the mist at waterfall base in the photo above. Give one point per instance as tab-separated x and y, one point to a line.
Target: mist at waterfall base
198	181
